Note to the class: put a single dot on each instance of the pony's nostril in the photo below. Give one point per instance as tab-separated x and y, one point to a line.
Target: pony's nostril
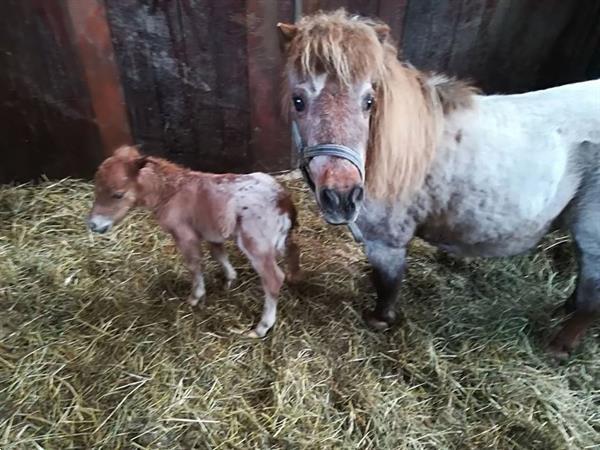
329	198
357	194
92	225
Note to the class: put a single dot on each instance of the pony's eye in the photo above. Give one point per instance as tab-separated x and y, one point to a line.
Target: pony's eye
368	102
298	103
118	195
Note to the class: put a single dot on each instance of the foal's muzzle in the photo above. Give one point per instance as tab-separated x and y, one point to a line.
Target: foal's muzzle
99	224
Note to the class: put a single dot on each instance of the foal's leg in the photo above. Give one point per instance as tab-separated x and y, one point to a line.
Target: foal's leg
263	260
388	264
189	245
219	254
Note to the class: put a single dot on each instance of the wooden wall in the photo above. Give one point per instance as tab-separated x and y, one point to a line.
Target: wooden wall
197	80
201	79
45	109
501	45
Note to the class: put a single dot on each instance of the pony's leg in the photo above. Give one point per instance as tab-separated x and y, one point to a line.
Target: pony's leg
271	276
388	264
189	245
585	304
217	251
292	258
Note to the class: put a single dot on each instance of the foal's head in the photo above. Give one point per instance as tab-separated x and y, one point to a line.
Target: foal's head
116	188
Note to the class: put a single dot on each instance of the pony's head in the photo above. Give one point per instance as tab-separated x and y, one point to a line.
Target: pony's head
116	188
345	88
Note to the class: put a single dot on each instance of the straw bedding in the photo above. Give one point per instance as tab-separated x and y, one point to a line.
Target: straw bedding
98	350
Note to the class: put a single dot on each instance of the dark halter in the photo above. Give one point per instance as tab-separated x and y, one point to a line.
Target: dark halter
306	153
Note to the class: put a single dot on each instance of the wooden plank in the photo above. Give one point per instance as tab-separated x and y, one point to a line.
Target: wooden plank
184	65
367	8
393	12
93	41
576	53
46	113
270	142
500	44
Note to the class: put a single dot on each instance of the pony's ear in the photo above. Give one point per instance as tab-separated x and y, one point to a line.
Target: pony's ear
287	31
382	31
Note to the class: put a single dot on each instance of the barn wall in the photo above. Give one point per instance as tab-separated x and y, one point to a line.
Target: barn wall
201	80
46	114
501	45
198	81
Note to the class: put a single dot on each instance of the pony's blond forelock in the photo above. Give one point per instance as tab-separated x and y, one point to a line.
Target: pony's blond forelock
333	43
408	115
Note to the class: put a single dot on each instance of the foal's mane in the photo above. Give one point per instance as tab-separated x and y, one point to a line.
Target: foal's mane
410	105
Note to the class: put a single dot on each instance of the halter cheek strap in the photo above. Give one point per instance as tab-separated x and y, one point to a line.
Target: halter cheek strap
307	153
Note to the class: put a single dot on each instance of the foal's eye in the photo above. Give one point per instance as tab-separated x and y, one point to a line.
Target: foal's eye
298	103
368	102
118	195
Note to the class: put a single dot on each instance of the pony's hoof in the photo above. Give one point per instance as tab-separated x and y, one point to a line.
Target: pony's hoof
376	322
558	311
560	349
229	284
566	308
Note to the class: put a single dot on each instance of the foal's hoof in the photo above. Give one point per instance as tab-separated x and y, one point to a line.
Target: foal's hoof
194	301
377	322
252	334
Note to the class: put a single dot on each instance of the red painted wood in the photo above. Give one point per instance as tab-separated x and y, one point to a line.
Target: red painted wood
91	36
270	137
46	113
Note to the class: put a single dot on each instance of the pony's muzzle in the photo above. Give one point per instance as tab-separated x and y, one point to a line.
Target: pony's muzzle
99	224
340	207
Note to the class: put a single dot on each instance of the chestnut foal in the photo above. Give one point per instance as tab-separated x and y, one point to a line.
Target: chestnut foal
193	206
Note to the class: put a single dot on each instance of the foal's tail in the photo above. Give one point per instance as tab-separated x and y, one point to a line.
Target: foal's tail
291	250
292	259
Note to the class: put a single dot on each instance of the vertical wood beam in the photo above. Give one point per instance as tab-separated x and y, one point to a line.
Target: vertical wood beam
92	39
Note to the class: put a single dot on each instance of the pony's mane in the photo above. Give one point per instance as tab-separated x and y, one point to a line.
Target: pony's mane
453	94
410	105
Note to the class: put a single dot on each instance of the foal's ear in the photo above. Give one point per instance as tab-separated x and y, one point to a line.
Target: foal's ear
287	31
382	31
135	165
128	152
140	163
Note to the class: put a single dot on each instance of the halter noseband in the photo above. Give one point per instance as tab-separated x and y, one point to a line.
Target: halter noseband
307	153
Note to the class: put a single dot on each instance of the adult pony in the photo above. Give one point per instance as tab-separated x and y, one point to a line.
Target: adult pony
474	175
